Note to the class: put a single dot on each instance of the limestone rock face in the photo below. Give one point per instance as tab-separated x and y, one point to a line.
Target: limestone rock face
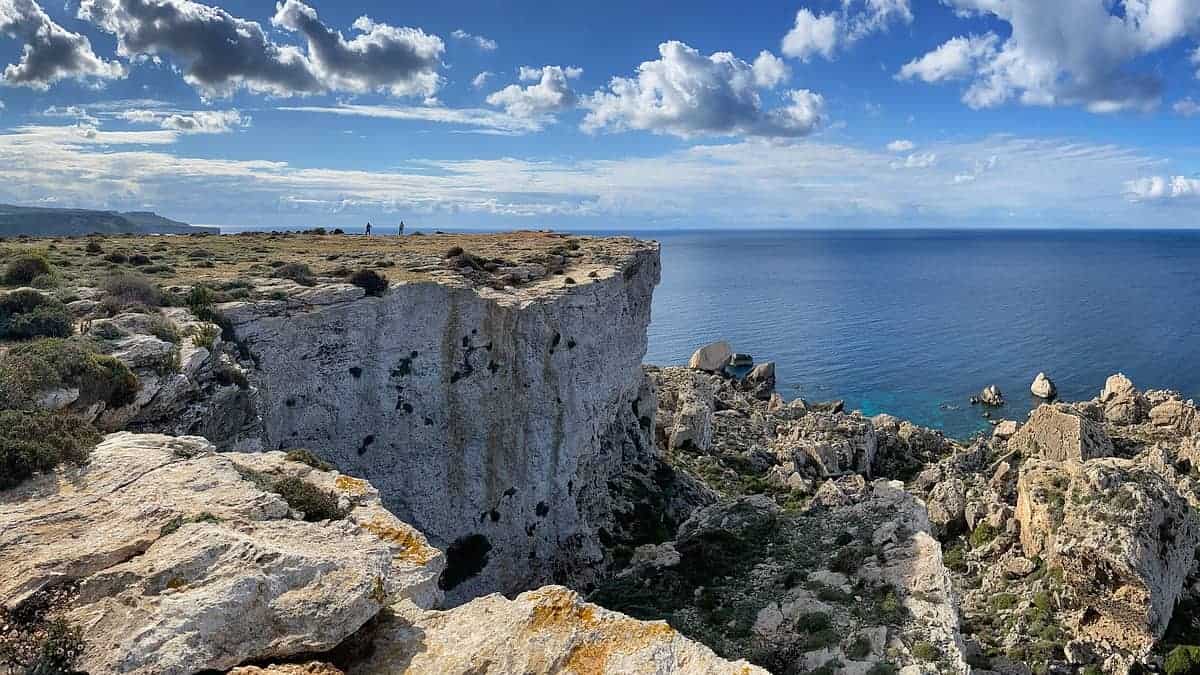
836	442
544	631
1043	387
711	357
491	420
1124	539
1123	403
692	425
1059	434
184	564
1176	416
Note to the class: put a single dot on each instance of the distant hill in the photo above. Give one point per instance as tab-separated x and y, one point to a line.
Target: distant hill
36	221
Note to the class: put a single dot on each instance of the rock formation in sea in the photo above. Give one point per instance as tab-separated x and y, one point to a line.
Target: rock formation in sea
443	454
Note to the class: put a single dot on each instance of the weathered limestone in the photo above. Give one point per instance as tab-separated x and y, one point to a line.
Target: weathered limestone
490	418
548	630
837	443
186	565
1123	403
991	396
1124	539
1054	433
692	426
1043	387
1176	416
712	357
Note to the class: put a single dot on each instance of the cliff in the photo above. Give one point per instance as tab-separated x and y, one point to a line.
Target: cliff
47	222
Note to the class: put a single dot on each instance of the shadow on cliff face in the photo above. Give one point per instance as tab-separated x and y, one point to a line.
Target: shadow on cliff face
465	558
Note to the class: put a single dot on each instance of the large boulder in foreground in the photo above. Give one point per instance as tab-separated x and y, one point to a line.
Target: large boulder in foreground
1124	539
548	630
1123	403
187	560
1054	433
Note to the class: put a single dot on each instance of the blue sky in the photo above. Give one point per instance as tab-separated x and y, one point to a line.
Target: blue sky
834	113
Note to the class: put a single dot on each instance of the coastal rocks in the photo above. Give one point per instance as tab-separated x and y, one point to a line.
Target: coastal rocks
188	560
711	358
1124	540
1005	430
1123	403
491	420
760	381
991	396
835	442
1174	415
1043	387
1059	434
547	630
693	420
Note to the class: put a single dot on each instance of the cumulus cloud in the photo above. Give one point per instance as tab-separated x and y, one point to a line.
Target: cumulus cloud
901	145
552	92
51	52
479	41
220	53
1069	52
402	61
1162	189
825	34
1186	107
955	59
687	94
917	160
769	70
196	122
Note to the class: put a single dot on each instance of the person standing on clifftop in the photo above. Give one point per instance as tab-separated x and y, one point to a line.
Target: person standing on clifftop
368	228
401	231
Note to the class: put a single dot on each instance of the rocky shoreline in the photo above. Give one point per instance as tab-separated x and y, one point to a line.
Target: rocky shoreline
466	472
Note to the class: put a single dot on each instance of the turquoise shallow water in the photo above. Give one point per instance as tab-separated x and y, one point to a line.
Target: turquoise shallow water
913	323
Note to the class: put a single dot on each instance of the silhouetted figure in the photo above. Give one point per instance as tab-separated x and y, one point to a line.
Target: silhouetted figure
401	228
368	229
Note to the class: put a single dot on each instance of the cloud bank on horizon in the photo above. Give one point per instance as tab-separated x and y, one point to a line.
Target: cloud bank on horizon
821	113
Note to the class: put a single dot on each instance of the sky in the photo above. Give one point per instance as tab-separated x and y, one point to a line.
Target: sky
617	115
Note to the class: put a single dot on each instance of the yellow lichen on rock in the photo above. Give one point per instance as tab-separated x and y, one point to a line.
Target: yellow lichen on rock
355	487
411	545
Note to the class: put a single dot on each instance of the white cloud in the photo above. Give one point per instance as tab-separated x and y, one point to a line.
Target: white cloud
1068	52
195	122
1186	107
955	59
770	71
478	119
401	61
1196	60
685	93
479	41
901	145
550	95
219	53
825	34
917	160
51	52
1162	189
480	80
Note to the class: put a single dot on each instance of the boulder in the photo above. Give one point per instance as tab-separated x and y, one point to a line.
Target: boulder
761	380
1043	387
1124	539
837	443
1123	403
548	630
692	425
186	560
991	395
947	505
1004	430
1177	416
711	357
1059	434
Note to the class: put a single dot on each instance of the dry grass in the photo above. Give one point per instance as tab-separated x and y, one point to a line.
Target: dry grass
216	258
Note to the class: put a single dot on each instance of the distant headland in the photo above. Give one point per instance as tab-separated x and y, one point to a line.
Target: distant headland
39	221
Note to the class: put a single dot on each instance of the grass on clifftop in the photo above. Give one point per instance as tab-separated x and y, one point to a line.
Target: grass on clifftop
38	441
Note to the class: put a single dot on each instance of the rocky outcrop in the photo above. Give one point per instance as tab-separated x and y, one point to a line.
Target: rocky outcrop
1124	539
1060	434
548	630
492	420
835	443
1043	387
991	396
711	358
1123	403
185	560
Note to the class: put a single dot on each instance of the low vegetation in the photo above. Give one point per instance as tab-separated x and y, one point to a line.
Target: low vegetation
23	269
38	441
28	314
30	369
370	281
126	291
306	456
297	272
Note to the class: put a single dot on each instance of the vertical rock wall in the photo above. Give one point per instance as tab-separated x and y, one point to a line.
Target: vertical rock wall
492	421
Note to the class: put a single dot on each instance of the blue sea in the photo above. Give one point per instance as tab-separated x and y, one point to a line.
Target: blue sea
914	323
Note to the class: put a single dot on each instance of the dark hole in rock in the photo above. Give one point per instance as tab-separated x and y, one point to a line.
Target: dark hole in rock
356	372
465	558
366	443
542	509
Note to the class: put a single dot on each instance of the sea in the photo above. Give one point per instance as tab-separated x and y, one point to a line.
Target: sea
914	323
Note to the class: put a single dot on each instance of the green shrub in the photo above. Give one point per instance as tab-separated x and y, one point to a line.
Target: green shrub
983	535
1183	660
23	269
27	314
882	668
954	558
131	288
370	281
1002	601
306	456
206	336
44	282
60	651
93	246
925	651
859	648
302	495
51	363
38	441
164	329
297	272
